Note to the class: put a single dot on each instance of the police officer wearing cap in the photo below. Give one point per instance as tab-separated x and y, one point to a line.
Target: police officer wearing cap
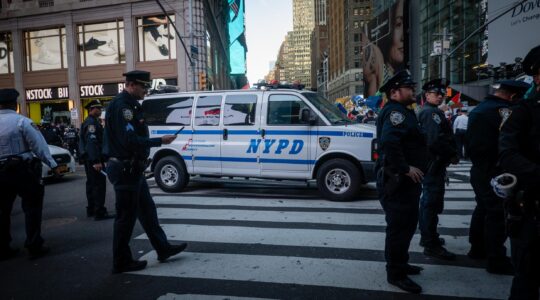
400	169
487	230
442	152
91	142
519	154
127	146
20	175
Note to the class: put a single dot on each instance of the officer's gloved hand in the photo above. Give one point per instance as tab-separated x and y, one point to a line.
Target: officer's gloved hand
98	167
415	174
167	139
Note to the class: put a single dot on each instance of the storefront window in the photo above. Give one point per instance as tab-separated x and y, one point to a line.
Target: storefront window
6	53
101	44
45	49
156	38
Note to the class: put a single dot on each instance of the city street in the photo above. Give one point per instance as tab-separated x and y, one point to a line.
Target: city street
261	239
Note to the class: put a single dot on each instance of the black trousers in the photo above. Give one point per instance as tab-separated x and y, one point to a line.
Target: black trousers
431	206
525	246
460	141
133	201
96	187
487	231
401	214
21	181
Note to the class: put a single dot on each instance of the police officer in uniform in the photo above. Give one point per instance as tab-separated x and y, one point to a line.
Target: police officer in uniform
91	153
442	151
20	175
400	169
487	231
70	138
519	148
127	145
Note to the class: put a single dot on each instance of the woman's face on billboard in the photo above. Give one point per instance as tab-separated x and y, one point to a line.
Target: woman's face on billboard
397	52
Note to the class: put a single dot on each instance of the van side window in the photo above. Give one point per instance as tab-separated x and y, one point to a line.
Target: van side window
168	111
285	110
239	110
208	111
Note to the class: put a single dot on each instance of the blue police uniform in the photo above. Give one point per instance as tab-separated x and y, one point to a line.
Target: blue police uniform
487	230
91	153
442	150
127	147
20	174
401	144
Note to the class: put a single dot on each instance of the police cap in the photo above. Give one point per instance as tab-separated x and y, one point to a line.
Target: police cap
531	63
8	96
436	85
400	79
93	103
138	76
515	86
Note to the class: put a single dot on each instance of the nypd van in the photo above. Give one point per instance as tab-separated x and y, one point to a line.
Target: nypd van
274	134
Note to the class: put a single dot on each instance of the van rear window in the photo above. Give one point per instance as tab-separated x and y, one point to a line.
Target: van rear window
168	111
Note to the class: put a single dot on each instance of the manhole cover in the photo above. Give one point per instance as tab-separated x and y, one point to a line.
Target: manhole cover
57	222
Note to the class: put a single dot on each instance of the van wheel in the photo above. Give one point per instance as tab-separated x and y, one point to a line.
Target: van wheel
338	180
171	174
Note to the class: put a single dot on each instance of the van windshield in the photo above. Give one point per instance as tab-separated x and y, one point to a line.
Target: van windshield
331	112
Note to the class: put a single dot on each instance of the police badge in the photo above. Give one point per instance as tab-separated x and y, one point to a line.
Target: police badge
505	114
91	128
324	142
128	114
396	118
436	118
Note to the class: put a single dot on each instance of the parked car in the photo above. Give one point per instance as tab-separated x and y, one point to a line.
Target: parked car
65	161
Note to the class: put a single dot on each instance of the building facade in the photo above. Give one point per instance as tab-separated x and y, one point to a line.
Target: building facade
299	42
63	54
319	42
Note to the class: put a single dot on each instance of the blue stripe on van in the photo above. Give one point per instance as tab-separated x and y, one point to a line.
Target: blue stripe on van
271	132
252	160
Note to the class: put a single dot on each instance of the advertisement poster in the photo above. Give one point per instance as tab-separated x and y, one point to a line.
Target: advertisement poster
46	49
101	44
385	43
6	53
156	38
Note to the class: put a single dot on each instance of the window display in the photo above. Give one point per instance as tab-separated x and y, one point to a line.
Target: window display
6	53
156	38
101	44
45	49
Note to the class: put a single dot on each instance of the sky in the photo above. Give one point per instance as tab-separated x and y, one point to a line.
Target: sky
267	24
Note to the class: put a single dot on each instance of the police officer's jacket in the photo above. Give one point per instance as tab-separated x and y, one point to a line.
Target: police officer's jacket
519	144
19	137
439	136
401	141
91	140
482	135
126	134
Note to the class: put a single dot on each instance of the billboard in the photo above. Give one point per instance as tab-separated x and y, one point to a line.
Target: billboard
237	38
514	34
385	46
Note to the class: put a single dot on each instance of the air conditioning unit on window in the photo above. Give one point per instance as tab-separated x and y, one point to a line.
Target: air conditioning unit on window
46	3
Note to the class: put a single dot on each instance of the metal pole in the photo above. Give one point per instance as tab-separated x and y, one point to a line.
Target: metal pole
443	55
193	63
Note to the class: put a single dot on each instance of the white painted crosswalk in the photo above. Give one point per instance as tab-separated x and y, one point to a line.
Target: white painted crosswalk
278	243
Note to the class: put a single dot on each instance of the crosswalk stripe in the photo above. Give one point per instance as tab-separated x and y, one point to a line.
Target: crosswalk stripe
172	296
445	221
458	186
353	274
468	174
453	169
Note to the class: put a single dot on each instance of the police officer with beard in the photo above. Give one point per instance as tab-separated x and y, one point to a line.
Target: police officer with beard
487	231
519	154
400	169
91	153
442	151
127	145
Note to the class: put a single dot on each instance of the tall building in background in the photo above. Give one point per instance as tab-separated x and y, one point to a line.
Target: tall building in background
346	18
299	45
319	47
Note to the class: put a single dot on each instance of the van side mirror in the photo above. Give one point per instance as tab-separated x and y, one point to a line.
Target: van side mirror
306	117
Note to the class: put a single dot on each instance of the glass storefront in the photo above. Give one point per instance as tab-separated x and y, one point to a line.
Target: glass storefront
45	49
101	43
6	53
156	38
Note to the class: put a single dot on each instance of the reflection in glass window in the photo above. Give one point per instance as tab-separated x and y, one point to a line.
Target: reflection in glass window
285	110
156	38
6	53
101	44
240	110
45	49
208	111
169	111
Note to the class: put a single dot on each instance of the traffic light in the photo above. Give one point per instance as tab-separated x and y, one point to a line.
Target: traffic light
202	81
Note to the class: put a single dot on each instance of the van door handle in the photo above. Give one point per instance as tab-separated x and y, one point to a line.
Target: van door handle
225	134
263	133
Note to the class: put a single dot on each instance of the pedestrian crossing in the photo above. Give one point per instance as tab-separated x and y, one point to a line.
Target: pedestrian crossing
271	245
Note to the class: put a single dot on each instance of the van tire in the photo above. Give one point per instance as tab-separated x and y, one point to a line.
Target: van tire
339	180
171	174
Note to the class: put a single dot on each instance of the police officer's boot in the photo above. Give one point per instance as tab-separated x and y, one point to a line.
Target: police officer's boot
501	266
406	284
476	252
90	212
134	265
102	214
171	251
439	252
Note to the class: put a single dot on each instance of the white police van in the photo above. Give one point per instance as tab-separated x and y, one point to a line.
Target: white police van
274	134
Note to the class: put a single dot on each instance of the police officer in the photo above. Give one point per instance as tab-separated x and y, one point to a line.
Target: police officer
442	151
91	153
51	135
20	174
70	138
519	148
127	145
487	231
400	169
